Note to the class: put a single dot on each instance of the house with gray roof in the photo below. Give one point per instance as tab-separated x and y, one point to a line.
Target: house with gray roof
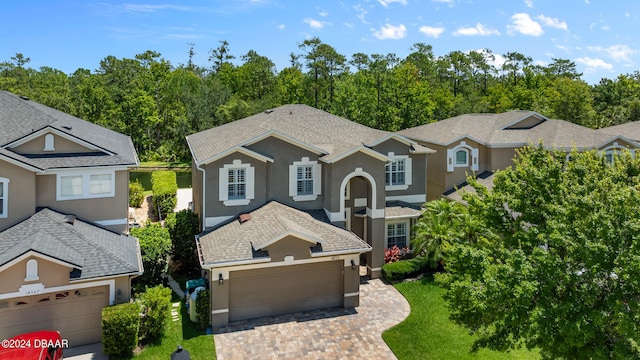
478	143
64	254
293	201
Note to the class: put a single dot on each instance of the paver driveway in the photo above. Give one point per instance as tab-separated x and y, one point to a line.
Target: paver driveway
323	334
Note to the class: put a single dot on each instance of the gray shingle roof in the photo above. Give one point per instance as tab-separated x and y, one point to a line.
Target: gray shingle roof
21	117
630	130
331	134
489	129
235	241
96	251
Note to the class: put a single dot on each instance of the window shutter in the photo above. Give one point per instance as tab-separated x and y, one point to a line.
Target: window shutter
449	160
293	180
407	171
223	183
317	179
474	159
250	180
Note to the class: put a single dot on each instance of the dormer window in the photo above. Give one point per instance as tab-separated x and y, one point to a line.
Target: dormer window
462	155
49	143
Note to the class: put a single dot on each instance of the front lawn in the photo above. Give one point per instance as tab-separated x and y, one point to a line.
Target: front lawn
429	334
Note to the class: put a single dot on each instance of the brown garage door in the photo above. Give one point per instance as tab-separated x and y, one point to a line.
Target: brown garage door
77	314
285	289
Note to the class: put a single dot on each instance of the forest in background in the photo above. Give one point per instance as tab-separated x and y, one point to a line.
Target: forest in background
158	104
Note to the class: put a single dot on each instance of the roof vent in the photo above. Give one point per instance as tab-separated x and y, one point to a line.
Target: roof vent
70	219
24	97
244	218
269	111
67	127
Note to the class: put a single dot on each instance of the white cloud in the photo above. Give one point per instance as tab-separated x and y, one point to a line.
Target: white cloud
430	31
523	24
315	24
280	27
620	53
391	32
529	3
323	13
153	8
553	22
360	13
594	64
450	2
478	30
386	3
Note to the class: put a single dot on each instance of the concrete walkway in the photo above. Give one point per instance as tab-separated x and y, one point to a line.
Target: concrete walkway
324	334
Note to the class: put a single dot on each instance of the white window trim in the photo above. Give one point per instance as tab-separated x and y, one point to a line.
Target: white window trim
86	184
223	180
407	172
316	176
451	157
49	143
4	182
615	149
386	231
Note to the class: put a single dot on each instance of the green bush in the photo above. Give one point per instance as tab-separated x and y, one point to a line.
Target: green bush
136	194
120	326
403	269
183	226
155	246
155	303
165	192
203	304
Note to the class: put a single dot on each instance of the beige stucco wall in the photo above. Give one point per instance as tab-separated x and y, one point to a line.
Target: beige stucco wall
61	146
289	246
95	209
50	275
21	193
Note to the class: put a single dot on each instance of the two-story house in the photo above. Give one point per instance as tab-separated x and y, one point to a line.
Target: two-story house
292	201
482	143
63	211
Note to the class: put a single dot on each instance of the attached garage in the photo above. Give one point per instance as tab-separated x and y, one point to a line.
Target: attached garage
77	314
285	289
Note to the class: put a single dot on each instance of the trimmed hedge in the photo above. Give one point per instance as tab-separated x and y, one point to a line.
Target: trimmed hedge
165	192
155	304
183	226
202	308
120	327
136	194
403	269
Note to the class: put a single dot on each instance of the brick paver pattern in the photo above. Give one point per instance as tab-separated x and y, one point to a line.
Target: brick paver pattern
322	334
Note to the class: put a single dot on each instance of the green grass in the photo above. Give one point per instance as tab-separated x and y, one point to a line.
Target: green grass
164	164
429	334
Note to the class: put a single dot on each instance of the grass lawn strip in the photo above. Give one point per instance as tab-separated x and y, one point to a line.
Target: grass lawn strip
429	334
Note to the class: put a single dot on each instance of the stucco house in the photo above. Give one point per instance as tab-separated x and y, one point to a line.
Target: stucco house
482	143
63	214
292	201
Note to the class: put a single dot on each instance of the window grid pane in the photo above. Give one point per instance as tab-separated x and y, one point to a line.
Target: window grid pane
461	157
397	235
395	173
100	184
71	185
236	186
305	180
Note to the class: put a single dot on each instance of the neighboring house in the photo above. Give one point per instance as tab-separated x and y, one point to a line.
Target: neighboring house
63	211
479	143
292	200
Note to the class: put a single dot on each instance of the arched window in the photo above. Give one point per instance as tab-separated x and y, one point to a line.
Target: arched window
48	143
462	155
32	270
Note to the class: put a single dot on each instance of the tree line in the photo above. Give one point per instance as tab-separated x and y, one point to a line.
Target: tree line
158	103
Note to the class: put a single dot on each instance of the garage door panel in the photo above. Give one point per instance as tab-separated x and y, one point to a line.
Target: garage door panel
285	289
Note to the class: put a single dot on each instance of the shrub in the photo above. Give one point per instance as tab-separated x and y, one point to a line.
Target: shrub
155	246
395	253
403	269
202	308
165	192
120	326
155	303
183	226
136	194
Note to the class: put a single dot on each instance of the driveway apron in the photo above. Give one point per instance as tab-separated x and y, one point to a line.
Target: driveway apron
320	334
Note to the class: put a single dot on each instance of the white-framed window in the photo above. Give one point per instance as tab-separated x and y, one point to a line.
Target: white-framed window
462	155
85	185
397	172
4	197
397	234
32	270
305	180
236	181
49	143
611	152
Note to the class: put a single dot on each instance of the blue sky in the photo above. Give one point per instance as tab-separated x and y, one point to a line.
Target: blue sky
600	36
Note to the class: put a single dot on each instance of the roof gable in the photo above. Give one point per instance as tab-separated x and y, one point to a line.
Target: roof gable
526	122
